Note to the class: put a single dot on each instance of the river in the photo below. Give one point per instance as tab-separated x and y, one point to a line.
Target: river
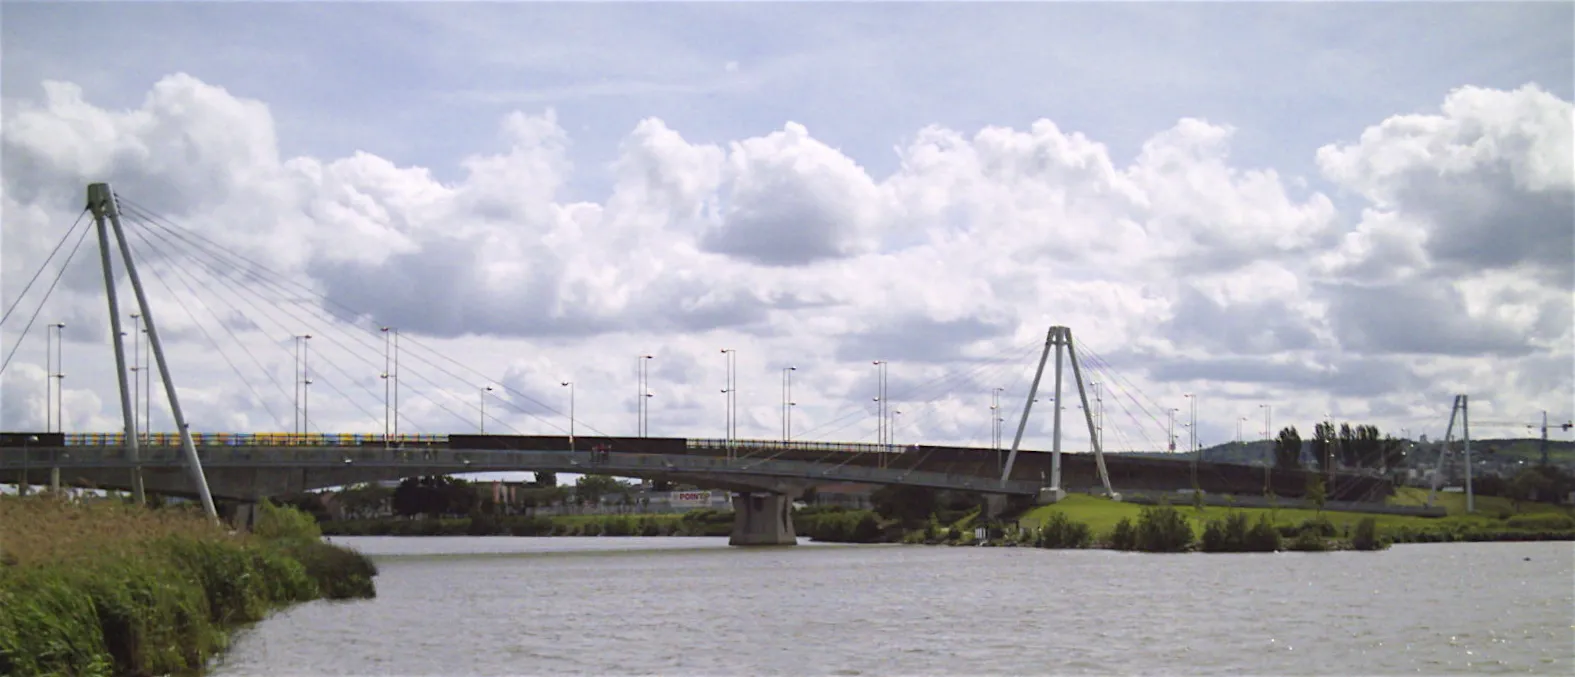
694	606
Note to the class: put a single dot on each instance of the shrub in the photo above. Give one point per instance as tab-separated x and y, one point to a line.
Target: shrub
1059	531
284	524
1162	528
1123	536
1309	541
1366	536
1319	525
1263	537
1547	521
853	526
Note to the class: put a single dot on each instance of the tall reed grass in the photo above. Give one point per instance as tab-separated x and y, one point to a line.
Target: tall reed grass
100	587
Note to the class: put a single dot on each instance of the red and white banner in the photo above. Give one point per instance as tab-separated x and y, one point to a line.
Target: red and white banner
689	497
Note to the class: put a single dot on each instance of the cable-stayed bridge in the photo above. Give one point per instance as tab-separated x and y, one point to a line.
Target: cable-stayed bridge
240	307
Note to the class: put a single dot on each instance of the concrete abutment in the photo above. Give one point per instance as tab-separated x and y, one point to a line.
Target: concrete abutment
762	518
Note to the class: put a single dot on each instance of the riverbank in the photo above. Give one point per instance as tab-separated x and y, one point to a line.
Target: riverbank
1081	520
101	587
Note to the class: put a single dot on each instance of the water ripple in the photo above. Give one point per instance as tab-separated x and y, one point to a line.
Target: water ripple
518	606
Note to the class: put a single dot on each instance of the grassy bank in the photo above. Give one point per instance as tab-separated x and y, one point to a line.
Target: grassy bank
821	524
1492	522
692	523
100	587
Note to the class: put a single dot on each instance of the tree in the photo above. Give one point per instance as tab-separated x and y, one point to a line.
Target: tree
1347	446
910	505
1288	449
1531	484
590	489
364	500
1316	490
1392	452
1323	446
433	496
546	479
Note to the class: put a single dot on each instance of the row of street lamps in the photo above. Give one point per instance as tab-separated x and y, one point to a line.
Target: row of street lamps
886	417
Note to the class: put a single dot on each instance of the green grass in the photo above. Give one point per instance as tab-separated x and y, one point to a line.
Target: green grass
1455	503
1102	514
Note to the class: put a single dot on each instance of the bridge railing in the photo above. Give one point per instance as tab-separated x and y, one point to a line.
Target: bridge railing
257	439
423	460
796	445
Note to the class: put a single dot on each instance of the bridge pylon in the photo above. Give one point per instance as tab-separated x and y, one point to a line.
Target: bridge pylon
1459	408
101	200
1058	338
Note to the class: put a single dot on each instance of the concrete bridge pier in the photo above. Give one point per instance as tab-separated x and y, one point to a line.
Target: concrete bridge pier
762	518
1050	495
244	516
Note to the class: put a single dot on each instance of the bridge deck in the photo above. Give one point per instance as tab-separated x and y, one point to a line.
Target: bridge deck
723	469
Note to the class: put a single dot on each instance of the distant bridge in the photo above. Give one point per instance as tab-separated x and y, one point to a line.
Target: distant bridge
766	475
252	466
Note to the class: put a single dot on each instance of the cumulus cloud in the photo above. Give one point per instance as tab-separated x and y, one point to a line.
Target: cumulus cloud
1181	267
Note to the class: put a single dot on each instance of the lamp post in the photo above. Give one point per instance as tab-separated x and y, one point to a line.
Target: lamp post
49	379
484	391
787	403
302	380
570	386
1172	411
147	389
995	427
1268	430
60	376
880	401
1192	435
136	373
1239	438
391	377
642	403
730	395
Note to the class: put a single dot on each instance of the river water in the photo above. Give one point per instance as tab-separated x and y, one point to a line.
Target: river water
694	606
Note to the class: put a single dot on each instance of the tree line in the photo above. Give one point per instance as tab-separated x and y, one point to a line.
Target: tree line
1360	446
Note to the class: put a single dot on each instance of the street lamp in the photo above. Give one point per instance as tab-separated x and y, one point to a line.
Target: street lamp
53	365
302	380
484	391
391	377
787	403
1268	430
147	388
642	405
570	385
1192	435
305	407
136	373
1172	411
730	395
1239	438
880	401
995	427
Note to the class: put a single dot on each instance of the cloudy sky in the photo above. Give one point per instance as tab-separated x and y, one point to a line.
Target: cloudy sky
1335	209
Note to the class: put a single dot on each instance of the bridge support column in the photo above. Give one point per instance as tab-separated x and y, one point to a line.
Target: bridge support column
1050	495
244	517
762	518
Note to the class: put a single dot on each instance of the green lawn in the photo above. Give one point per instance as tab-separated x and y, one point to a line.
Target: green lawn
1455	503
1102	514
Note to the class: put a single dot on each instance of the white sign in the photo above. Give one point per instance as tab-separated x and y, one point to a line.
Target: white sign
690	498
